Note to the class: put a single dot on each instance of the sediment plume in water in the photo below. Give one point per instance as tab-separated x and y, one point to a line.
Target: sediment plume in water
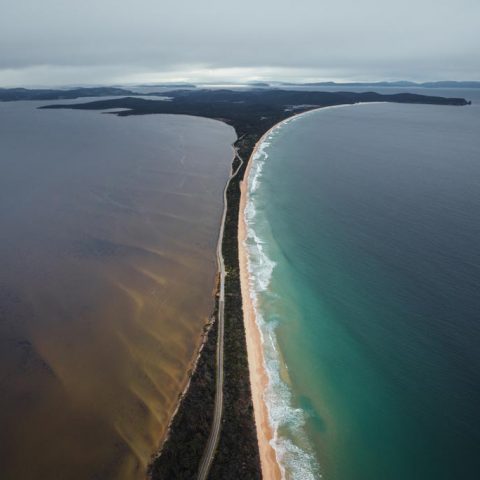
107	265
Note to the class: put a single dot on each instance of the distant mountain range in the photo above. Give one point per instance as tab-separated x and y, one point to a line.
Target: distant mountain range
12	94
399	84
167	85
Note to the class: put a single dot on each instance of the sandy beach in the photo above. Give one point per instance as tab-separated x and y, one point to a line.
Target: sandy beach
258	375
271	468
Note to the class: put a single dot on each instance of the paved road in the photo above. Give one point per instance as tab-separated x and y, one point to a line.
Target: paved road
212	442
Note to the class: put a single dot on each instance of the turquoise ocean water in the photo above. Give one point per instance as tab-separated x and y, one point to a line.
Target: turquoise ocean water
364	258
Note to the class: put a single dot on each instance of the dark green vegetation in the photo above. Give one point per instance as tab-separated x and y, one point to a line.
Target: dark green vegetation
251	110
251	113
237	454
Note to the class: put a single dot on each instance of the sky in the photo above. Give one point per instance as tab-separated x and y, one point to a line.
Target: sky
89	42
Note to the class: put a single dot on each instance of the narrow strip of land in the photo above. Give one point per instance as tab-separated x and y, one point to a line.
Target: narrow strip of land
212	442
212	402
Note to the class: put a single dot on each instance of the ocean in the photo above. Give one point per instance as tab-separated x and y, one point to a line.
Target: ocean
364	259
108	233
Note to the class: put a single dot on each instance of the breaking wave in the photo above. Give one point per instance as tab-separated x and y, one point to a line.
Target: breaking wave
287	422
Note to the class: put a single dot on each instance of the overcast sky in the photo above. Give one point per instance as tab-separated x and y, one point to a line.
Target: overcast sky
55	42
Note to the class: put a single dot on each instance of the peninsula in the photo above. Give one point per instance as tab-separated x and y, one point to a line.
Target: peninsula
252	113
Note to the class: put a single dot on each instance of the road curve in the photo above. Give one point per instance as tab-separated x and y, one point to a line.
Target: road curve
212	441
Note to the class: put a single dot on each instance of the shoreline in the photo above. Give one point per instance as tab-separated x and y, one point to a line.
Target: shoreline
271	467
245	411
189	426
237	452
211	320
258	376
270	464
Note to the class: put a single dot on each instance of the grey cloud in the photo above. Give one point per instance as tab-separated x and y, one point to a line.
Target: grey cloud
420	39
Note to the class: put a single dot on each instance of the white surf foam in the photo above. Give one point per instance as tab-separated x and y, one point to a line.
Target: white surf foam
286	421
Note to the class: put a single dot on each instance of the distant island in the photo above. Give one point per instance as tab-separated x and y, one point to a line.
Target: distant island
251	113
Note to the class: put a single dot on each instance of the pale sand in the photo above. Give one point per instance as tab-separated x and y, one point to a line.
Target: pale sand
256	362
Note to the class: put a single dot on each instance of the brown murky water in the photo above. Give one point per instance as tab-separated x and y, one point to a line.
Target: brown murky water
108	229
